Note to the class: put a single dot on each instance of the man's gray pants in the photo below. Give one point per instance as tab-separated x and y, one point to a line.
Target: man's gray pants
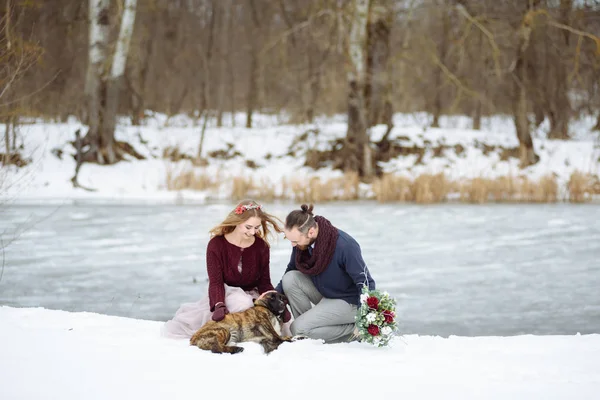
330	319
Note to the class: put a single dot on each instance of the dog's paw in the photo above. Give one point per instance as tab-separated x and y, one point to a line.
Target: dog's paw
299	337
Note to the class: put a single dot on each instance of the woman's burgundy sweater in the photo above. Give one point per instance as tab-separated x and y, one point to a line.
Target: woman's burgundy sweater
222	260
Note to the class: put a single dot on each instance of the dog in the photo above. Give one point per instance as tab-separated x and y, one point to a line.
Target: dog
260	323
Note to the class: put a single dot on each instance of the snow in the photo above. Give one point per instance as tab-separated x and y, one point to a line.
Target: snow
47	178
48	354
66	256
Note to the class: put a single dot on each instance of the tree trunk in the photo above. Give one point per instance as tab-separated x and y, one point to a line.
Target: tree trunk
225	16
7	125
102	94
597	126
438	75
207	61
252	96
377	89
520	112
107	140
139	78
313	89
477	115
559	112
357	140
94	89
230	64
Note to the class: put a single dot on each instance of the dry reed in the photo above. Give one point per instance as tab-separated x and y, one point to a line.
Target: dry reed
242	187
189	178
424	189
581	186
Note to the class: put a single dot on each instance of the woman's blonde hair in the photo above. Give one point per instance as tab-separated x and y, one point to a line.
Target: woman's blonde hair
244	210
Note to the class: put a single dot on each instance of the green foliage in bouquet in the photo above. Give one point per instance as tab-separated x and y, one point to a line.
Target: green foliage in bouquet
376	317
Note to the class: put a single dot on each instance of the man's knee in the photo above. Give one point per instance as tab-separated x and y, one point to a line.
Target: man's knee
297	328
290	280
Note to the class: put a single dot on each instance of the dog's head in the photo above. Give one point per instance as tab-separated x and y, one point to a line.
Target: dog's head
274	302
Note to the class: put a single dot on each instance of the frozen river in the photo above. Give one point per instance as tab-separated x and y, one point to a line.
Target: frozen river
454	269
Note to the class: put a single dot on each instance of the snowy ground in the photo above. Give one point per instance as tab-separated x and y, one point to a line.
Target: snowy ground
48	177
498	270
48	354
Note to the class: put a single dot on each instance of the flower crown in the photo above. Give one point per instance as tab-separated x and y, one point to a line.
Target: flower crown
240	209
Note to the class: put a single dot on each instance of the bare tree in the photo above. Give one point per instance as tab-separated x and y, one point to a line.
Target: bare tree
378	100
17	57
536	60
520	86
114	84
357	137
102	86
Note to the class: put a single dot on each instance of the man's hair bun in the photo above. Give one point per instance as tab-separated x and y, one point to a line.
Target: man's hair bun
308	209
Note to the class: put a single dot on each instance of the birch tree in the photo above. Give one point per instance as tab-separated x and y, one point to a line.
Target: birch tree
94	91
114	82
103	84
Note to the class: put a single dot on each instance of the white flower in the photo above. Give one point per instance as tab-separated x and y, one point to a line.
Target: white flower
386	330
371	316
376	340
364	297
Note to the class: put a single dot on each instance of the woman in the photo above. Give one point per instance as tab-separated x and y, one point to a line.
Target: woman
237	261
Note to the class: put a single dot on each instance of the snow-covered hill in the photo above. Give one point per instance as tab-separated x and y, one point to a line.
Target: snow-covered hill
258	163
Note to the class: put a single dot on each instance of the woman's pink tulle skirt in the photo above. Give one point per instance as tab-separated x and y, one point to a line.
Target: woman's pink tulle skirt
192	316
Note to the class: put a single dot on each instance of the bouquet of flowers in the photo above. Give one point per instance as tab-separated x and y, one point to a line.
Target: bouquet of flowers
376	317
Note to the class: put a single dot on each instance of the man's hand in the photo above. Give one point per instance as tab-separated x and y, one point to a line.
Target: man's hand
286	316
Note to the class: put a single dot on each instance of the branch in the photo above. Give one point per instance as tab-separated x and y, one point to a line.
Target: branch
534	13
496	50
294	29
454	79
591	36
575	72
34	92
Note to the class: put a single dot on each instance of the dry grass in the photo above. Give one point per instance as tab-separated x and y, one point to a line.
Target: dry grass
503	189
242	187
345	187
317	190
582	186
543	191
428	189
190	178
266	190
509	189
476	190
425	189
392	188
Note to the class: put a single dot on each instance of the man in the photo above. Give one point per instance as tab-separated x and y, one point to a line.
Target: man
326	269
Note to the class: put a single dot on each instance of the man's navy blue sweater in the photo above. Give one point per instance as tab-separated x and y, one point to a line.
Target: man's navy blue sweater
345	275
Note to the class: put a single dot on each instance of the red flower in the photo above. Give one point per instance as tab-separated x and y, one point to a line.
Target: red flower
240	210
389	316
373	302
373	330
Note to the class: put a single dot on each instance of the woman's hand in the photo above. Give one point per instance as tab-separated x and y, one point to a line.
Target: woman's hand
220	312
265	293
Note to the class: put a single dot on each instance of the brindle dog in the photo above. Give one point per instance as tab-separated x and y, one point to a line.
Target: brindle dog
261	323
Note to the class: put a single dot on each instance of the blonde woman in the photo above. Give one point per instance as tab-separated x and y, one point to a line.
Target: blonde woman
237	261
